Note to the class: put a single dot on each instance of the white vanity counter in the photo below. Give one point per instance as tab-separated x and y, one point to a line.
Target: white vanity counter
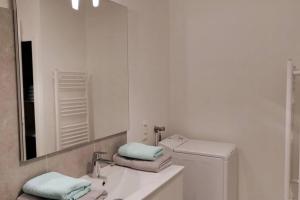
129	184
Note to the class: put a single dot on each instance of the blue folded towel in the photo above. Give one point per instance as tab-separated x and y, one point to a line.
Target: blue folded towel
53	185
140	151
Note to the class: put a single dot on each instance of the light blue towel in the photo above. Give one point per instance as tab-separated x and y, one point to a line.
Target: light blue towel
53	185
140	151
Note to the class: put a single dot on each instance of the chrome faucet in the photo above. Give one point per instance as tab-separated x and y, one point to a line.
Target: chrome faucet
98	157
98	160
158	133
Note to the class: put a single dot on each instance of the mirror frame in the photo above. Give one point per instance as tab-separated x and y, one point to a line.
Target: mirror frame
18	83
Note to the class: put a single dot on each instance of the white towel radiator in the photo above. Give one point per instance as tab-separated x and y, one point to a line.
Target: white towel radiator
71	108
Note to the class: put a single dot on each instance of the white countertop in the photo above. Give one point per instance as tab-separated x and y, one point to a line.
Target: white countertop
129	184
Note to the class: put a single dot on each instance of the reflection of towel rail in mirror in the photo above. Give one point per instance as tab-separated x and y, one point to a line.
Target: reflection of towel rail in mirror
72	114
68	139
75	143
74	107
72	110
72	88
74	125
64	135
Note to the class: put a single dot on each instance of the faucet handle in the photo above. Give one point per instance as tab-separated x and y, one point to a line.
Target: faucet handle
158	129
158	133
99	154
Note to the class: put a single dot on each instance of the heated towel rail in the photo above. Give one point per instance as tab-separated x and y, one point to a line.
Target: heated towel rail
71	108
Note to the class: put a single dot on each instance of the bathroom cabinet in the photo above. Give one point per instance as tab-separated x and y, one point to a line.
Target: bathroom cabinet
173	189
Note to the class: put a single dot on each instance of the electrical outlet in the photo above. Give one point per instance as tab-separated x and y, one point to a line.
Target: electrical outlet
145	128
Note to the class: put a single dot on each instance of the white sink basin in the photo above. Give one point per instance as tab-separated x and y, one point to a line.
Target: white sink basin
128	184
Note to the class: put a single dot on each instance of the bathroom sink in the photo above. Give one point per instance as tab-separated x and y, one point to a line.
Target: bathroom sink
120	182
128	184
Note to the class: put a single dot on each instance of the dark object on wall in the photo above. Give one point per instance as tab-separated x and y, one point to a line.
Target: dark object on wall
28	99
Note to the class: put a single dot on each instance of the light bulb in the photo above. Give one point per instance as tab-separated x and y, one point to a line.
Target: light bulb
96	3
75	4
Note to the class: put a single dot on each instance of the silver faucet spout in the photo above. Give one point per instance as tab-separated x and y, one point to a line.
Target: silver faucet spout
97	156
97	161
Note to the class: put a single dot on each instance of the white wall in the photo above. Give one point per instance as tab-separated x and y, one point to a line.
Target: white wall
64	32
227	82
148	29
4	3
106	33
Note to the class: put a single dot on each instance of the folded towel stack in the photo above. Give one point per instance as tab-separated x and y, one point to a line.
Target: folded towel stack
142	157
149	166
140	151
56	186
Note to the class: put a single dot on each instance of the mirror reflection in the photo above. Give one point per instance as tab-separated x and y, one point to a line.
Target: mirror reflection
73	75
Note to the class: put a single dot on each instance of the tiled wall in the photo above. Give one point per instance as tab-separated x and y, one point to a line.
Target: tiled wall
12	173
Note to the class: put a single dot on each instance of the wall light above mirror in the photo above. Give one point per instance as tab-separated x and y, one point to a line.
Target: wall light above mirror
72	73
96	3
76	3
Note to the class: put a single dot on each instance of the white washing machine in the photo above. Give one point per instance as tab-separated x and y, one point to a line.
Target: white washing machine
211	169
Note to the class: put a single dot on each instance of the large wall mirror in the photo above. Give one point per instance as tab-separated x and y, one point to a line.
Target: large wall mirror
72	73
